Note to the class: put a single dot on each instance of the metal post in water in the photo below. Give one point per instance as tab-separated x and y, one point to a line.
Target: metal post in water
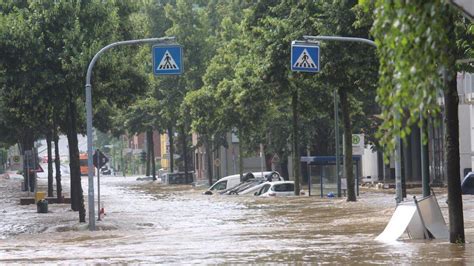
261	158
321	180
357	178
27	174
424	160
336	130
88	89
98	185
90	198
309	180
398	171
339	39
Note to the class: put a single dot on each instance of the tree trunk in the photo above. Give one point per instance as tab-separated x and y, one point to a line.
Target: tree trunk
77	197
50	163
57	163
456	218
27	143
171	159
451	124
345	107
185	153
295	144
241	158
284	167
209	160
152	156
148	135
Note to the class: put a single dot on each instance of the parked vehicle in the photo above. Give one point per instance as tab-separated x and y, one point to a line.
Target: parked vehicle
83	164
225	184
467	184
252	185
107	170
276	189
244	187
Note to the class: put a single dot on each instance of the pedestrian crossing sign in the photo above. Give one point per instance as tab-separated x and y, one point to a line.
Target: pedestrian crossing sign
167	60
304	57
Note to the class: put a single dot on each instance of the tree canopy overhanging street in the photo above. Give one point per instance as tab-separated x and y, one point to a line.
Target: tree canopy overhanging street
236	78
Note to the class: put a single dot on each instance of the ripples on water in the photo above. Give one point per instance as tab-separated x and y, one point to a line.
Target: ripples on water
152	223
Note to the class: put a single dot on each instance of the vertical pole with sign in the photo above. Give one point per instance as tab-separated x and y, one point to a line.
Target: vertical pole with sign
167	60
304	58
88	91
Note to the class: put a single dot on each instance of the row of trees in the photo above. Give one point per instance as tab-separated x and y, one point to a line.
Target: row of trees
45	48
237	74
419	44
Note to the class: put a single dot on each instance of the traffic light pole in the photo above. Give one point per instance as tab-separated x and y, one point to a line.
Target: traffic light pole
90	166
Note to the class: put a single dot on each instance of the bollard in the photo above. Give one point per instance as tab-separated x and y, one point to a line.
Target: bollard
42	206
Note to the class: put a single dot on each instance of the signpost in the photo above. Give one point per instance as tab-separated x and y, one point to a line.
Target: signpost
167	59
304	58
99	161
88	90
310	38
358	144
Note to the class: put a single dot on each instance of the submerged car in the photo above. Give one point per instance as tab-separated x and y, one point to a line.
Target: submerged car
467	184
232	184
276	189
250	185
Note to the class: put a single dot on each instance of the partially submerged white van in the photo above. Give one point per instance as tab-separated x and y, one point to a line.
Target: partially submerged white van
231	181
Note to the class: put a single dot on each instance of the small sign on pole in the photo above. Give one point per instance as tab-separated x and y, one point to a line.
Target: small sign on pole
167	59
358	144
304	56
99	159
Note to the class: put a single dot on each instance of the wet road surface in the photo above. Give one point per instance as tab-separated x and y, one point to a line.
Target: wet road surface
148	222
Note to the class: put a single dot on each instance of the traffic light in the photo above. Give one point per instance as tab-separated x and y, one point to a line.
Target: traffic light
143	156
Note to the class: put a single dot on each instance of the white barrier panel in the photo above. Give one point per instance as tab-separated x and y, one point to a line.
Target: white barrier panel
433	218
399	222
420	219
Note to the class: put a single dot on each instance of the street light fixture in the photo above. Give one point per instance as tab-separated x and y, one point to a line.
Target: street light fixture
89	116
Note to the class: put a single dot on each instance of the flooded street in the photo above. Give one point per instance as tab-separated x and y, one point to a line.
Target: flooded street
148	222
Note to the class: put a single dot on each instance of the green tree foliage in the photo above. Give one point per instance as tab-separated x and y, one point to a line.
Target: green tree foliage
230	81
409	80
350	68
46	47
419	43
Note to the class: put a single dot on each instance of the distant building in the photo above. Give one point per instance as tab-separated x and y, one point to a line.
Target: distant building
224	161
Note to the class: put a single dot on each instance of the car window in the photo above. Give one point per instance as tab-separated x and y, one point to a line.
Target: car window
264	189
283	187
220	185
248	185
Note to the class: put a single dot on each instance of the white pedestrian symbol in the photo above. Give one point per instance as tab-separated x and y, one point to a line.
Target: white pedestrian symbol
167	62
305	61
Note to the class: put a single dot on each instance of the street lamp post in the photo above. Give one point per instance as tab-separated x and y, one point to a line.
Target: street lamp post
424	162
336	128
89	117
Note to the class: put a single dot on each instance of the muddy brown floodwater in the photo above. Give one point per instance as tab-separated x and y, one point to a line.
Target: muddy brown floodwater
148	222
